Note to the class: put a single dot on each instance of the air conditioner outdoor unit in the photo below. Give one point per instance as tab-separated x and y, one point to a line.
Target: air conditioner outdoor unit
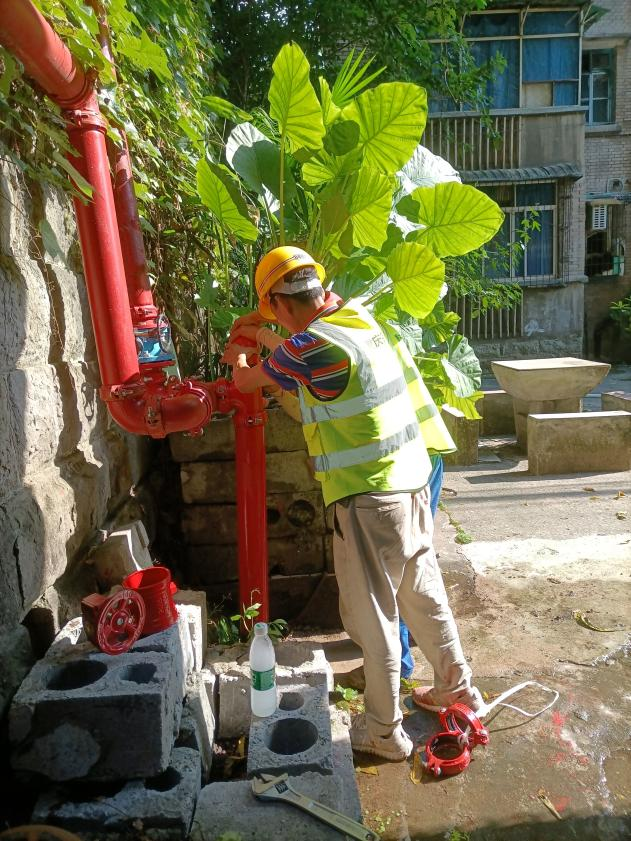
599	217
615	185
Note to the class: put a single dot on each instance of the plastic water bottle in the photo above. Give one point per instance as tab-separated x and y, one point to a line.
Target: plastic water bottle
263	698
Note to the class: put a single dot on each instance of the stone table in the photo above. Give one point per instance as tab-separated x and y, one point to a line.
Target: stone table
547	386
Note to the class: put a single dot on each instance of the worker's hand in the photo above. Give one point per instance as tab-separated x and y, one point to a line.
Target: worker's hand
245	331
251	319
233	350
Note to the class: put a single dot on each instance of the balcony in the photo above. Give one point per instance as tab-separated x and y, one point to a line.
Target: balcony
510	140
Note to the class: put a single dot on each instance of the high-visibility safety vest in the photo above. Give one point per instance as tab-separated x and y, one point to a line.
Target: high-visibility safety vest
375	435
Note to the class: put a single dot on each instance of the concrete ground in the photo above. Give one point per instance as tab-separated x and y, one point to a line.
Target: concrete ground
540	548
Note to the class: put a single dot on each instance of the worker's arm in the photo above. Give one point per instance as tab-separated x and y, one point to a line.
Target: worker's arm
245	378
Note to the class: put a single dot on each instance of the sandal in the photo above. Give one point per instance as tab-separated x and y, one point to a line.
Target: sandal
422	697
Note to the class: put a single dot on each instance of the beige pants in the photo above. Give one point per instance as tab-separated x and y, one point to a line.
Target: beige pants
385	564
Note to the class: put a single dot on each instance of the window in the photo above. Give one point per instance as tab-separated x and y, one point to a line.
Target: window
597	86
604	239
540	54
536	258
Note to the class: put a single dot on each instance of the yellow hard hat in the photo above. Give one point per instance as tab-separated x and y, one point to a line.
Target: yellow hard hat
274	266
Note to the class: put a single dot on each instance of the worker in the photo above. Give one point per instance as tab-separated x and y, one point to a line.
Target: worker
365	413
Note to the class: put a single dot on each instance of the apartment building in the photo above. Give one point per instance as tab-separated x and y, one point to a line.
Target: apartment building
554	150
606	93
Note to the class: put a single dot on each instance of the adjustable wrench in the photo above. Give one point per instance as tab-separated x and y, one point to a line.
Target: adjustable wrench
268	787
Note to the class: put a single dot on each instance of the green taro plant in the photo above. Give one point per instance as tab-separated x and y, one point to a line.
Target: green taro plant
342	173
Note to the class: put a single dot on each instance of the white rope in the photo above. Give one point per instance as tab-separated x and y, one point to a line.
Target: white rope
499	701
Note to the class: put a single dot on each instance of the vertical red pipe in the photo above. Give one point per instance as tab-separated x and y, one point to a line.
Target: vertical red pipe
102	256
249	421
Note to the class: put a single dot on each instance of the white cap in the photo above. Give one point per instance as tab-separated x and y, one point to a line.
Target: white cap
260	629
282	288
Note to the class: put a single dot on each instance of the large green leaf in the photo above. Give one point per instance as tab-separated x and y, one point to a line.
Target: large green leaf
293	101
462	367
438	326
424	169
368	197
223	108
457	218
417	275
220	195
324	167
391	119
330	111
257	160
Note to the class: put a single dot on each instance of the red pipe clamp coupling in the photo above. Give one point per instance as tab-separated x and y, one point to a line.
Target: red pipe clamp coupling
449	752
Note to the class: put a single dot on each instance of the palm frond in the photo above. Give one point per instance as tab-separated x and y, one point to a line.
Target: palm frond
351	79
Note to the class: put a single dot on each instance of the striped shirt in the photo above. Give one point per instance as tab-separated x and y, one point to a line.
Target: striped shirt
306	359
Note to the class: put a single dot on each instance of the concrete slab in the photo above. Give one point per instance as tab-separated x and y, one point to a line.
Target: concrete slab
124	551
175	641
193	604
296	662
549	379
297	737
83	714
198	704
578	442
159	808
496	408
616	401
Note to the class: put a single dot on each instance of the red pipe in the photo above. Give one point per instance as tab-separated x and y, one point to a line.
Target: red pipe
102	256
142	402
249	421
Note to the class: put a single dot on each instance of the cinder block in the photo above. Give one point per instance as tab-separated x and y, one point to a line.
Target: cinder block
123	552
496	408
579	442
205	565
296	662
466	434
231	807
287	514
297	737
282	433
322	608
198	705
163	804
215	443
215	481
176	642
192	604
83	714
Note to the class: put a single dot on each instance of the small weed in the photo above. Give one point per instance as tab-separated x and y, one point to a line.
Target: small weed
456	835
461	535
408	685
349	700
227	628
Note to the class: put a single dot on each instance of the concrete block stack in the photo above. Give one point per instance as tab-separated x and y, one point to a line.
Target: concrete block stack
126	739
299	545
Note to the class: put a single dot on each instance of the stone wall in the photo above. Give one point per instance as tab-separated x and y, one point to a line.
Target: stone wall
66	471
302	583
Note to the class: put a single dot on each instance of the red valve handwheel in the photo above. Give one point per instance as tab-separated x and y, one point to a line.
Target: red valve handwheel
114	623
458	718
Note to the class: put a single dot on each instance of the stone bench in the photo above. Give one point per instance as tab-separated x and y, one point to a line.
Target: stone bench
466	434
496	408
612	401
577	442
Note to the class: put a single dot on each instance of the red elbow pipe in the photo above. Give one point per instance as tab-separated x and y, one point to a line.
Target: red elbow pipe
47	61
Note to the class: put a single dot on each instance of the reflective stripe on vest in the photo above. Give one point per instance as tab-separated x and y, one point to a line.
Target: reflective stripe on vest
369	452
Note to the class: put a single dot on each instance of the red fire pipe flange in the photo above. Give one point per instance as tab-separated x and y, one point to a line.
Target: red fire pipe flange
113	623
458	718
